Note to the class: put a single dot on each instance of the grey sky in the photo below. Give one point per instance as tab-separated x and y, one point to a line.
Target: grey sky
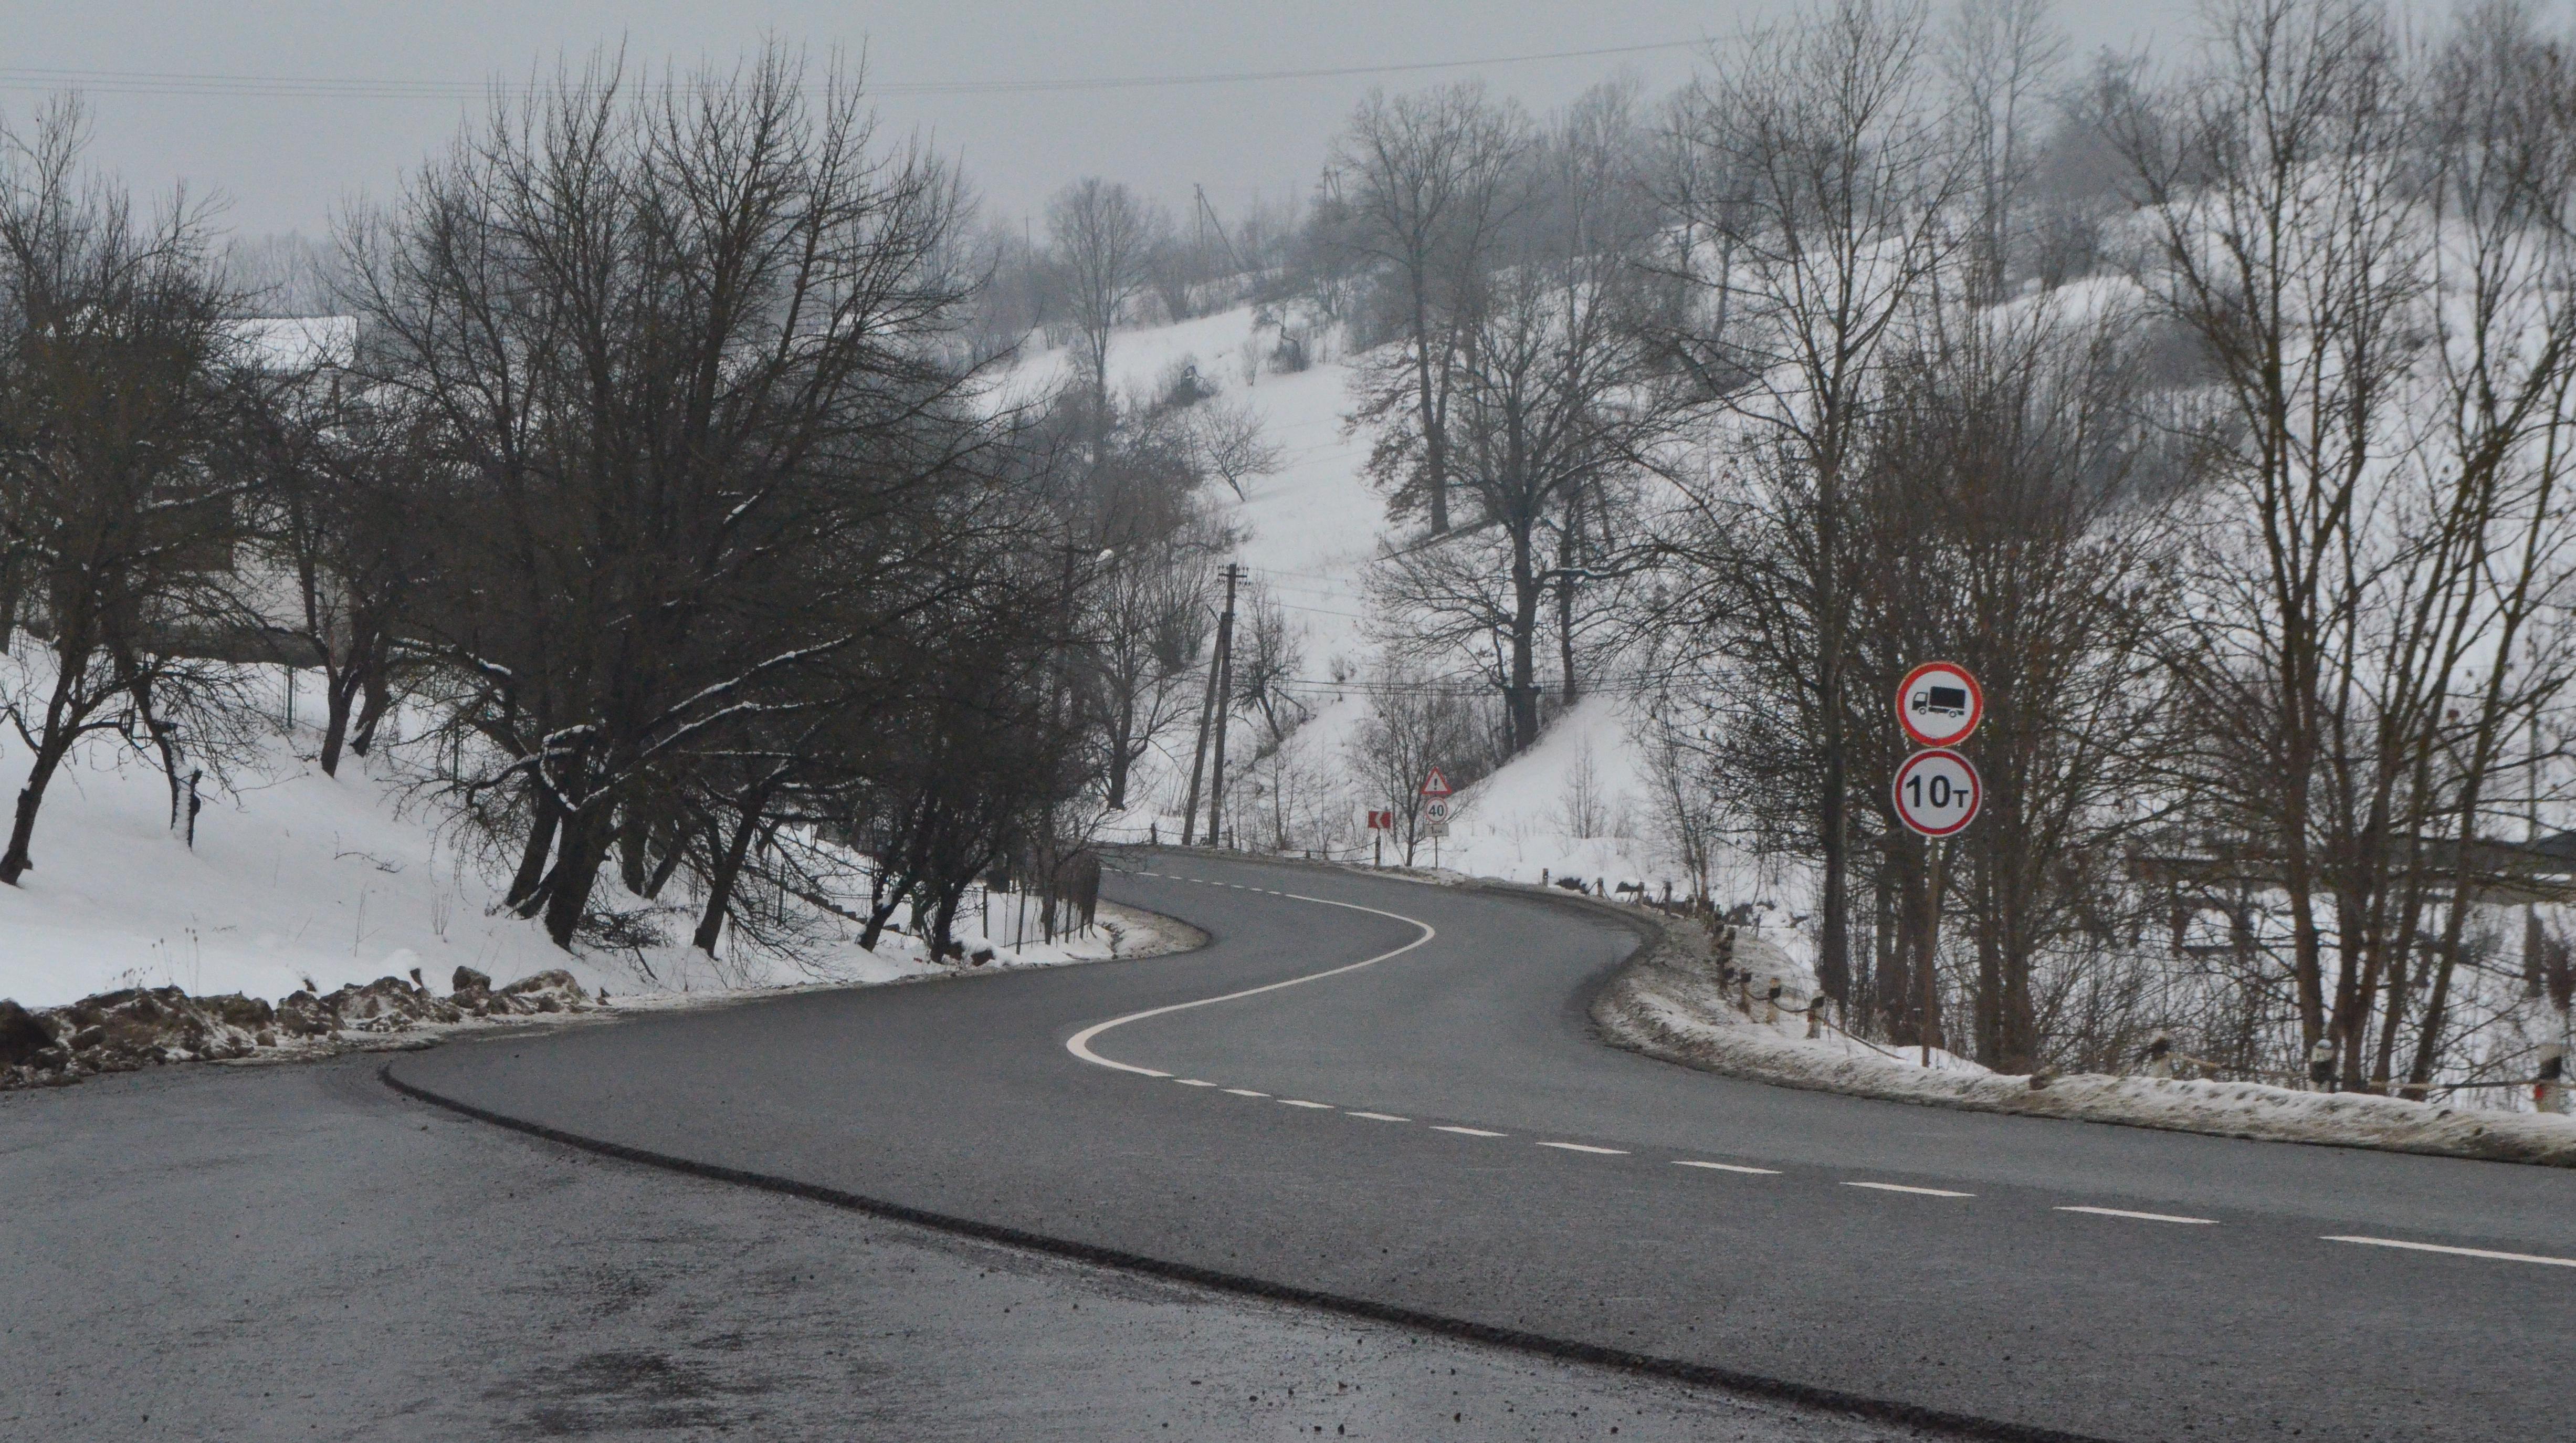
285	162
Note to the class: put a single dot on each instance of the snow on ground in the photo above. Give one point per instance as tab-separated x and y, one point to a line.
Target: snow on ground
1672	1006
1578	803
298	880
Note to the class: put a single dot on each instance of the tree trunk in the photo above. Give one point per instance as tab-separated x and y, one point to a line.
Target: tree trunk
379	700
586	837
22	831
1524	687
525	884
1435	440
1122	728
727	869
339	693
52	745
881	911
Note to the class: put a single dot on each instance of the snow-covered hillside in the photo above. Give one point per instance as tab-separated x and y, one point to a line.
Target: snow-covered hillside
1578	803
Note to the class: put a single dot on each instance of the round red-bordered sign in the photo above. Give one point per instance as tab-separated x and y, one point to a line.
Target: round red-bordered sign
1939	704
1937	792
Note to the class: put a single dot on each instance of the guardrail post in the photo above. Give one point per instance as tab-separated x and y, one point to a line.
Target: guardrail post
1771	1001
1815	1016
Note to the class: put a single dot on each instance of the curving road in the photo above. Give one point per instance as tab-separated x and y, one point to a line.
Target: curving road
1387	1096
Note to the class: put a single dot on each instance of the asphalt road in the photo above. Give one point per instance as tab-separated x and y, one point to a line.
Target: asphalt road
1437	1134
296	1252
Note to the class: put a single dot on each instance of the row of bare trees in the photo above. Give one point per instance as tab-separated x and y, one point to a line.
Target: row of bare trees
2255	535
653	490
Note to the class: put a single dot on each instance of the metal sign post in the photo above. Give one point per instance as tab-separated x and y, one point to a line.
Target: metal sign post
1936	791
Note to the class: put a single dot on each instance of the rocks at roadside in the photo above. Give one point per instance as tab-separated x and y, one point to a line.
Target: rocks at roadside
134	1028
553	990
21	1036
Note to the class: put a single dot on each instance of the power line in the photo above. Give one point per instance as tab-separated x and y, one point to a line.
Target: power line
318	87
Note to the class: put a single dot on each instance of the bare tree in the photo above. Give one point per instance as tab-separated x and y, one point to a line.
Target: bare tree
700	421
1554	404
116	394
1105	240
1427	186
1836	182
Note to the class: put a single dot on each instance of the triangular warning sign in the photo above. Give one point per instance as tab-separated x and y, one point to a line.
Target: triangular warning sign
1435	785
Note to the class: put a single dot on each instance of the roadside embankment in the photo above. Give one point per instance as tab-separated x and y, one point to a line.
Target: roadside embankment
1668	1002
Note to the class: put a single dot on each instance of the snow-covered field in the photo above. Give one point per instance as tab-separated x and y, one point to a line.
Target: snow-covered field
298	880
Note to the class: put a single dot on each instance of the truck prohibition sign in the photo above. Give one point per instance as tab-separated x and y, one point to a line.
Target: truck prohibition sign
1938	792
1939	704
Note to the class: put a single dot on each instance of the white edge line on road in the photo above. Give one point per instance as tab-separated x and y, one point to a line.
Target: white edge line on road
1900	1187
1079	1044
1468	1131
2141	1217
2458	1252
1726	1167
1378	1116
1301	1102
1587	1147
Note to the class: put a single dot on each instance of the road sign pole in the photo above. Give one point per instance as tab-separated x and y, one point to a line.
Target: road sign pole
1931	937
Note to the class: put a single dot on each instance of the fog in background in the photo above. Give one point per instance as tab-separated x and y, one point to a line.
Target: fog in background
286	161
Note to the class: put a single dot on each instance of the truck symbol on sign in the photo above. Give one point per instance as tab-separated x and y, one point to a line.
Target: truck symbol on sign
1942	700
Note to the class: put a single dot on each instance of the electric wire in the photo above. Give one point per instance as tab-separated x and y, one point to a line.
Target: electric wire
319	87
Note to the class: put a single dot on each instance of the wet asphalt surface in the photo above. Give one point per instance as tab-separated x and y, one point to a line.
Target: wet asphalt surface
295	1252
1822	1273
463	1280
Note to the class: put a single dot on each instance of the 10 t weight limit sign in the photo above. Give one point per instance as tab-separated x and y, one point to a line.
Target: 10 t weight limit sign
1938	792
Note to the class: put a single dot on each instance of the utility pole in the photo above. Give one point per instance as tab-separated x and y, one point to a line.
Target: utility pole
1224	705
1198	756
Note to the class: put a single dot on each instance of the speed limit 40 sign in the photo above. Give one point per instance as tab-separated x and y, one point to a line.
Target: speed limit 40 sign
1938	792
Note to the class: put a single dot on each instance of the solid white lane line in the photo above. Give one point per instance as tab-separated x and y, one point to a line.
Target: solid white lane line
2459	1252
1079	1044
1378	1116
2141	1217
1246	1092
1900	1187
1586	1147
1726	1167
1468	1131
1192	1082
1300	1102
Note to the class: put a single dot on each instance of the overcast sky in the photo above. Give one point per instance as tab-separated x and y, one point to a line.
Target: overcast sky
286	161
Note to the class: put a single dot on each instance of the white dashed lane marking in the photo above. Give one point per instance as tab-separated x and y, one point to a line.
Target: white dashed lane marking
2141	1217
1587	1147
1301	1102
1726	1167
1246	1092
1378	1116
1468	1131
1192	1082
1918	1191
2487	1253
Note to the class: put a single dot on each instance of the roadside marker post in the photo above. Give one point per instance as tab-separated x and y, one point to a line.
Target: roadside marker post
1936	791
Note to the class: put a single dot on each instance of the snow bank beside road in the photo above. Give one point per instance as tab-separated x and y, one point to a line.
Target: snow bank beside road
1667	1004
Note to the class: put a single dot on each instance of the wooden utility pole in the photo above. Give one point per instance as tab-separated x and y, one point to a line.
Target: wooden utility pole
1198	754
1224	705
